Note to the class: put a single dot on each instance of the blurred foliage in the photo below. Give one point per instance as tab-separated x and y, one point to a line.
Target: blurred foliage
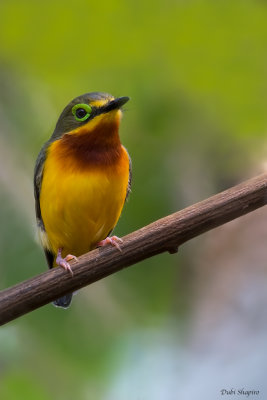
196	74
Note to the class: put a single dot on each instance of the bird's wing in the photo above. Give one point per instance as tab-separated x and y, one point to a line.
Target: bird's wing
130	176
128	191
38	177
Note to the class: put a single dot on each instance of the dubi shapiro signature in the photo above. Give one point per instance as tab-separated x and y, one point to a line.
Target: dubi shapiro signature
239	392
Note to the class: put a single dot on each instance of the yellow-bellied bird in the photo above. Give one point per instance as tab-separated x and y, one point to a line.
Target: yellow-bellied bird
81	180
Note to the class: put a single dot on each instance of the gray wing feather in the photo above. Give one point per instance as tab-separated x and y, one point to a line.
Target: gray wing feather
130	177
38	176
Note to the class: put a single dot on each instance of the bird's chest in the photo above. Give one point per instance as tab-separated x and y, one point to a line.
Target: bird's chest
80	207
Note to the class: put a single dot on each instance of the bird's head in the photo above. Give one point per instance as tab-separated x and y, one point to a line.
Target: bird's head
89	113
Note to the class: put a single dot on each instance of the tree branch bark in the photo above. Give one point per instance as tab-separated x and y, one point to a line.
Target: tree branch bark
165	234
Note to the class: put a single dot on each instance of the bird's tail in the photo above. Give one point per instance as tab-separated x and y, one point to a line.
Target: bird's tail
64	301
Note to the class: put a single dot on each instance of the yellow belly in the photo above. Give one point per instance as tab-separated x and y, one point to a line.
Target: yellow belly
80	208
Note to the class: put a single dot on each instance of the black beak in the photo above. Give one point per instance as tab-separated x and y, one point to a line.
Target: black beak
115	104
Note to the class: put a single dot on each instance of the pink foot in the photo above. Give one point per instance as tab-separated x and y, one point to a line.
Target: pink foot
113	240
63	262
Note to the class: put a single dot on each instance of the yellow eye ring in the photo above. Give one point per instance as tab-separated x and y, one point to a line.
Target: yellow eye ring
81	112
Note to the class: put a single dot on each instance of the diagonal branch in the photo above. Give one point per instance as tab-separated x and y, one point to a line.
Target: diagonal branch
165	234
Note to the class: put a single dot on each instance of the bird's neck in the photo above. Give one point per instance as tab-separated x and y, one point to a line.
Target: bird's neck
97	148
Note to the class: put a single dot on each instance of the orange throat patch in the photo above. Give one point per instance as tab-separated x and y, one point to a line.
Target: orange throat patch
91	148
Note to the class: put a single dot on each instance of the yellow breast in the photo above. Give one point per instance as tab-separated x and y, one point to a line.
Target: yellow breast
79	207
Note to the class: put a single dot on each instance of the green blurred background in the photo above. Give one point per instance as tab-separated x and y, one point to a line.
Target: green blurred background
175	326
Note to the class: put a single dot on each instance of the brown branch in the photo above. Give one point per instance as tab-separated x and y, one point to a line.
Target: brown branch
165	234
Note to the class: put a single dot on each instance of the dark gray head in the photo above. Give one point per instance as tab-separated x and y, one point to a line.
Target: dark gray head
84	108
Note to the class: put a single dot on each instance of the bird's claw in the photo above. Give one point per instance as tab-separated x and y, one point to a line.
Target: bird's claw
63	262
70	257
113	240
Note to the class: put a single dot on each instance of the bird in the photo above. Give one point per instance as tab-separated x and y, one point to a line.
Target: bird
82	178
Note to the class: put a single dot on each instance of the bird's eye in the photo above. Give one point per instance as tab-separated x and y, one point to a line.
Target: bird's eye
81	112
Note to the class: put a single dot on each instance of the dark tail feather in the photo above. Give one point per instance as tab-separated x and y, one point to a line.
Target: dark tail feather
64	301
